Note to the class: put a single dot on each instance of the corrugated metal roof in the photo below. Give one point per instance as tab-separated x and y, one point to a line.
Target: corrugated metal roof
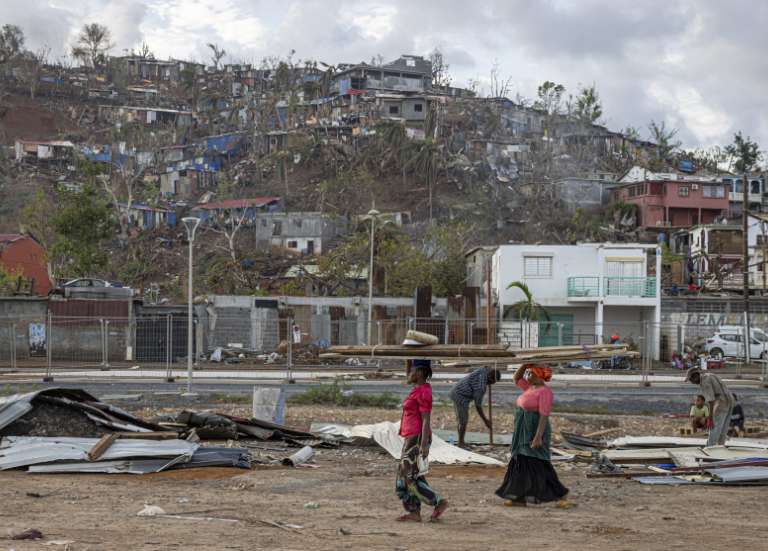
238	203
23	451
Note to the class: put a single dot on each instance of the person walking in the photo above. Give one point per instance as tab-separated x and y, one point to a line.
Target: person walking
411	486
530	477
470	389
720	402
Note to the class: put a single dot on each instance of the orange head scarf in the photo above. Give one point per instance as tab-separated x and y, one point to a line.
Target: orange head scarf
543	373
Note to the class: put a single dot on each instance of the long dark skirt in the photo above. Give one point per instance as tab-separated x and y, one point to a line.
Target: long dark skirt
531	480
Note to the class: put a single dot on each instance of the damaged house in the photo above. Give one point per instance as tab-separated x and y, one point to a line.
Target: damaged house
309	233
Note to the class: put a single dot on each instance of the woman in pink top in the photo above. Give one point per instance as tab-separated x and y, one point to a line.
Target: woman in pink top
530	476
411	486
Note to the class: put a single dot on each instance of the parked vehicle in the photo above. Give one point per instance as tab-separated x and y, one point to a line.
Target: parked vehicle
728	341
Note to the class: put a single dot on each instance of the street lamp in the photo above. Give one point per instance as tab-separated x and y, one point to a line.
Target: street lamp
190	223
372	215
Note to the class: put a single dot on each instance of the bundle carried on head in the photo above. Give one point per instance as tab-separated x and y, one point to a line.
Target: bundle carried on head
417	338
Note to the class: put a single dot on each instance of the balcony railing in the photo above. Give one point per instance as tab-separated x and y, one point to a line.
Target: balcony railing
644	287
586	286
590	286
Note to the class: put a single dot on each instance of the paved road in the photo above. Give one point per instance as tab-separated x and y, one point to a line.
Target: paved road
583	397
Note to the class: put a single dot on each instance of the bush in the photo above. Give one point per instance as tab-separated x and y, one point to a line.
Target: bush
335	395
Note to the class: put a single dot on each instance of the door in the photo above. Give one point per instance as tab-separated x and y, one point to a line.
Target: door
310	247
548	332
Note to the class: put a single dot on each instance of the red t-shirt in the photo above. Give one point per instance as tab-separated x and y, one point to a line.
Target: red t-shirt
418	401
535	398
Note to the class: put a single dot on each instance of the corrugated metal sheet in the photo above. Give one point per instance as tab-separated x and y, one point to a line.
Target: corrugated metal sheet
735	475
23	451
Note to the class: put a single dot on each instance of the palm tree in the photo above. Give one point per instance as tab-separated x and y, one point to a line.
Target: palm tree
528	309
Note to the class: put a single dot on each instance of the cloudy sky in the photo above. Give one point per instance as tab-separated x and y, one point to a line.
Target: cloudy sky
699	65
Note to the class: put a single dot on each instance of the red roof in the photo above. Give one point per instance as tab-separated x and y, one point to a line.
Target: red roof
238	203
10	237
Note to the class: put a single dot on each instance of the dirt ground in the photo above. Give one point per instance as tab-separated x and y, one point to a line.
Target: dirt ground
273	507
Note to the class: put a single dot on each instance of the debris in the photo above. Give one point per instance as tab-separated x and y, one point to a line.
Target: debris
150	511
101	446
268	404
311	505
59	542
386	434
30	534
65	412
304	455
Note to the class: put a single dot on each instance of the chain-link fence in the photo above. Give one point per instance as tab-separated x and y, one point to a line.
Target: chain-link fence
156	344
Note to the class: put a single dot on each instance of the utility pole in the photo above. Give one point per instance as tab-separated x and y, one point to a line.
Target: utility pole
745	229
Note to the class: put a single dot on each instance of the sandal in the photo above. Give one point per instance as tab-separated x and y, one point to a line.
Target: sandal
439	510
409	517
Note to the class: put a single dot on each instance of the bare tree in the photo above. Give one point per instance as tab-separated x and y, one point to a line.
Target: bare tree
550	96
32	65
500	87
229	229
144	52
93	43
440	76
11	43
217	54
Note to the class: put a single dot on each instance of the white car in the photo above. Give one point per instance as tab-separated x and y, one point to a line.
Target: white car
728	342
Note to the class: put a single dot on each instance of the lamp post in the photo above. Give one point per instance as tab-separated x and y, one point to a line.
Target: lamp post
190	223
372	215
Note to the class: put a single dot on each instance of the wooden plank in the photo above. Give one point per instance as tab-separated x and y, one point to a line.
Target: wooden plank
166	435
100	447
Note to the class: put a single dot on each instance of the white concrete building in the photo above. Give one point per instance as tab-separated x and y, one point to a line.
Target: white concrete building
590	290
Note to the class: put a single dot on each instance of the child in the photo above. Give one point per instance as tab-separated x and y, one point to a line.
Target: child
699	414
737	418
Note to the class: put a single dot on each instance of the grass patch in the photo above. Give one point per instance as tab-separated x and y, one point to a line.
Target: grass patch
232	398
335	395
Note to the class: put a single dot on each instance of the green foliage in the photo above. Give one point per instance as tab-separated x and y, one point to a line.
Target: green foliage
400	263
588	108
8	280
527	309
335	395
83	223
550	96
745	153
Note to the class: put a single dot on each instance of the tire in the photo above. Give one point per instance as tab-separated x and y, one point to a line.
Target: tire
717	353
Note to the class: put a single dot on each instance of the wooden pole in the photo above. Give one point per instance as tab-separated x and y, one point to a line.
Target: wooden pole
745	228
488	302
490	414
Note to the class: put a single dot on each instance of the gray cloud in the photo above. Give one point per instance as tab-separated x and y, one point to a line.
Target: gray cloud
697	64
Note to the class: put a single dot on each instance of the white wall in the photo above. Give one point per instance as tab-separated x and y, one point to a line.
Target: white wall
567	261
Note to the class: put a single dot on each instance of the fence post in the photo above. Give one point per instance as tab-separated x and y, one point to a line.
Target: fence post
445	335
48	377
289	359
169	378
106	344
471	332
378	332
13	346
646	357
559	334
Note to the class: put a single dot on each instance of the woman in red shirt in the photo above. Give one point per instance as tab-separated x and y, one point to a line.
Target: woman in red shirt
530	476
411	486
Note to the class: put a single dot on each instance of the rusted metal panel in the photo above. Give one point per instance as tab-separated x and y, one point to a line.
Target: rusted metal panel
80	308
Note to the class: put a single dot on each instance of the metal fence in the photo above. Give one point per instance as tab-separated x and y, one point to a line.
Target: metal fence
157	343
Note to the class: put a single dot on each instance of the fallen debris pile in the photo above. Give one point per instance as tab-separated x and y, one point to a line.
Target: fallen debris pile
131	456
65	412
676	461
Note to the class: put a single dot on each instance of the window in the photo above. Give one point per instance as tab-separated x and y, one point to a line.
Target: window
394	109
683	191
293	244
714	192
537	266
755	187
418	107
